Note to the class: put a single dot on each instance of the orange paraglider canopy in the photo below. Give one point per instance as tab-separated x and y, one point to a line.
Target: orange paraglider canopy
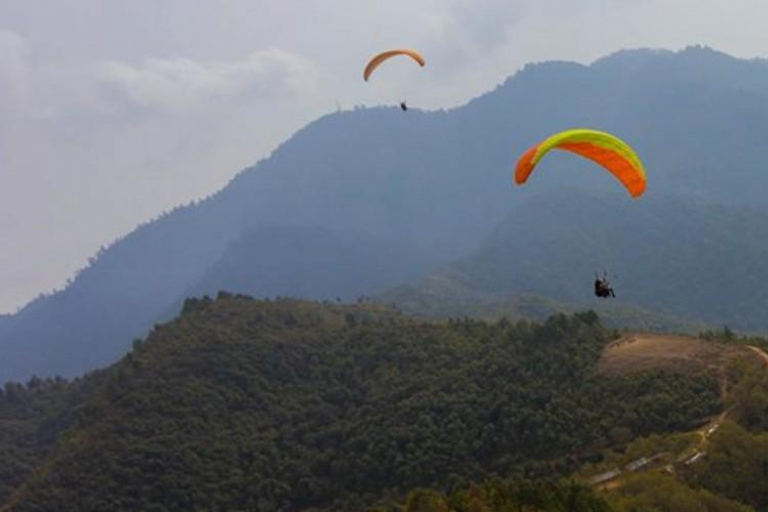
378	59
602	148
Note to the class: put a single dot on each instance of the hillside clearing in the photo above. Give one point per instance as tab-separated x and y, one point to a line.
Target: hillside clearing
639	352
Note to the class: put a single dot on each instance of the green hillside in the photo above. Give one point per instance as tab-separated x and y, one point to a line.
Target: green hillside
32	417
288	405
717	466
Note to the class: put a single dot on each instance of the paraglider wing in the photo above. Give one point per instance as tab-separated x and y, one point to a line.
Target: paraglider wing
600	147
378	59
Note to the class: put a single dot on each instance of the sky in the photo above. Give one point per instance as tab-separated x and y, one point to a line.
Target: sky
112	112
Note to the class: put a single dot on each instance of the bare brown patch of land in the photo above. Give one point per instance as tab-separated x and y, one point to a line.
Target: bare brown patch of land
639	352
760	352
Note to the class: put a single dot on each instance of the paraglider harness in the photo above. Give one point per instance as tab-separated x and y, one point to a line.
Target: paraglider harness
603	288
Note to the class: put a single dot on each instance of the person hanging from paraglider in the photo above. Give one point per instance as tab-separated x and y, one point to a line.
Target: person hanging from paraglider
605	149
603	288
376	60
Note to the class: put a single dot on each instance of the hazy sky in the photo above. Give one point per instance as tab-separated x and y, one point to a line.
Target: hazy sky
112	111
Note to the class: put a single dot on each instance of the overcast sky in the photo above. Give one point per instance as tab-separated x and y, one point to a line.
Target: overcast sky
112	111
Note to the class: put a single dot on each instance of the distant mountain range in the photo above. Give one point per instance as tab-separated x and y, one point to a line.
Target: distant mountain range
365	200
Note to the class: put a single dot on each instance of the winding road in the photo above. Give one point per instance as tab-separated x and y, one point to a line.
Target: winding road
615	478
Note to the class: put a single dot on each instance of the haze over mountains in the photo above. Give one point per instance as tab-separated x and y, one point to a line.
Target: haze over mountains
383	198
695	261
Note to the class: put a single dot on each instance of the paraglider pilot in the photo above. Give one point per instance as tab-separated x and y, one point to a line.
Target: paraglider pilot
403	106
603	288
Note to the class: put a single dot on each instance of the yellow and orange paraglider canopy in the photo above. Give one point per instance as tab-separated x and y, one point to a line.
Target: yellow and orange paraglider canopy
378	59
600	147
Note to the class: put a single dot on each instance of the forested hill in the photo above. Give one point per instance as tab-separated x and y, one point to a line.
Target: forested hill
427	186
677	263
286	405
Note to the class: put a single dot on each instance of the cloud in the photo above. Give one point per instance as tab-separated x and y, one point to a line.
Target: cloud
183	85
14	71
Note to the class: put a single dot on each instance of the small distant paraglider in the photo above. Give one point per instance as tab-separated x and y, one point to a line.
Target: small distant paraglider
615	155
380	58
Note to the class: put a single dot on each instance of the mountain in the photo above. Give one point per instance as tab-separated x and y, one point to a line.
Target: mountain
428	185
685	258
243	404
308	262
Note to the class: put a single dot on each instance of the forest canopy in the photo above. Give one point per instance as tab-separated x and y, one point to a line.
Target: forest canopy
291	405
